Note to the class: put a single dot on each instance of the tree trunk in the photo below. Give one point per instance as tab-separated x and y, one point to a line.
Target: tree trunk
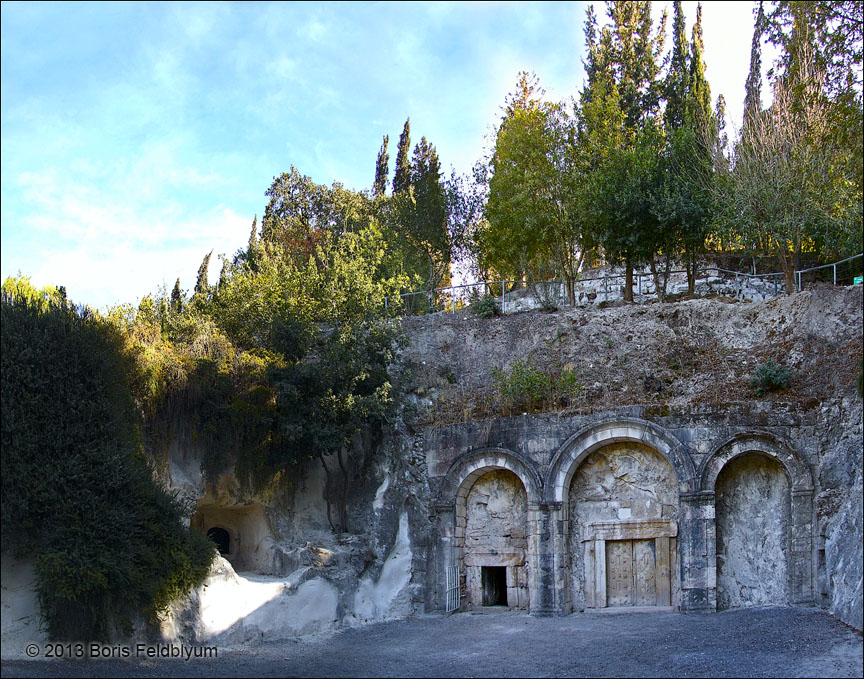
691	273
571	293
787	266
628	281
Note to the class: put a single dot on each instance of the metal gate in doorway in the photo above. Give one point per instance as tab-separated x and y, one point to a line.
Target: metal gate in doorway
454	589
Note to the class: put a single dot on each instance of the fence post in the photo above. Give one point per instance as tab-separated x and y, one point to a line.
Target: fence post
502	297
835	279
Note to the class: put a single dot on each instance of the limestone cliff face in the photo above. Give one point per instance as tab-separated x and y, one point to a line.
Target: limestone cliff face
681	369
683	366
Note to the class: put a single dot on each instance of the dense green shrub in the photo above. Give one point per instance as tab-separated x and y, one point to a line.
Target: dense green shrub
78	496
769	376
523	387
486	306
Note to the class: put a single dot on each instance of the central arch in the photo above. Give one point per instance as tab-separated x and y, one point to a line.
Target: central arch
624	539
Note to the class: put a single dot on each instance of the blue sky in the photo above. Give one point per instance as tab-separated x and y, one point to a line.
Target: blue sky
138	137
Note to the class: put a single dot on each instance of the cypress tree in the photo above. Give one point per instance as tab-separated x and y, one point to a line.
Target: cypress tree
678	80
253	237
753	86
637	57
201	284
402	175
382	169
699	97
223	274
176	298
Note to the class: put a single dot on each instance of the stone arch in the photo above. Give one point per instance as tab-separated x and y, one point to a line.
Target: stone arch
222	538
470	466
467	470
559	477
798	538
579	446
800	477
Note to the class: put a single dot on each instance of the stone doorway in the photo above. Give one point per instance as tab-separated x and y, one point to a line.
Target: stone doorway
494	582
222	538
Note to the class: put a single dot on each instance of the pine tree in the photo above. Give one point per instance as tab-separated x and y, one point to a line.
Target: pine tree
402	175
201	284
753	85
382	169
678	80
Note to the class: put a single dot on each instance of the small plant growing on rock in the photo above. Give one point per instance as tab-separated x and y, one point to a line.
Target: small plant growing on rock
486	306
769	376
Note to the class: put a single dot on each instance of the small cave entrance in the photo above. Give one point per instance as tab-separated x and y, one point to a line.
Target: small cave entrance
494	583
222	539
241	532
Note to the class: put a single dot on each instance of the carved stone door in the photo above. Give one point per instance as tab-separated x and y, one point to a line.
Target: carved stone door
631	573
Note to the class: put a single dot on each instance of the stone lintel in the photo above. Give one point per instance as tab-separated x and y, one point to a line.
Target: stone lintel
630	530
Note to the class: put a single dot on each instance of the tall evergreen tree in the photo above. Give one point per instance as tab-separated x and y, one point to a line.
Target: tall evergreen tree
382	169
426	226
637	56
253	236
627	59
176	298
699	92
753	85
402	175
721	140
201	284
678	79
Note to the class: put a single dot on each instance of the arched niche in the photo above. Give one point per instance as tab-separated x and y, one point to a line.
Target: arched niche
763	509
501	489
623	528
244	529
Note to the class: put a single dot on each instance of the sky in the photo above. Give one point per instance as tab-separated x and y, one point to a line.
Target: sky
138	137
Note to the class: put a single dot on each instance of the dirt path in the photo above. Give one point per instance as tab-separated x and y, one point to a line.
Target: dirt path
772	642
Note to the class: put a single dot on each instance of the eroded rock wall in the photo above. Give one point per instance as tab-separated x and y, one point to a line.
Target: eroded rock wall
752	500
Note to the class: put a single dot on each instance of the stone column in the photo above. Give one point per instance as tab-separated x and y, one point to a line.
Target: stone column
697	547
801	547
545	527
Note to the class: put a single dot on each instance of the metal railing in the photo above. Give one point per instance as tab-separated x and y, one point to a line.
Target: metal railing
425	300
799	274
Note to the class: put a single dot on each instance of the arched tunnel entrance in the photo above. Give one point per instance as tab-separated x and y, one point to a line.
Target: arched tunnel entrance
222	539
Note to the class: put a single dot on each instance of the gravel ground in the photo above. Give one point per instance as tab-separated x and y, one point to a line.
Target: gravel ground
768	642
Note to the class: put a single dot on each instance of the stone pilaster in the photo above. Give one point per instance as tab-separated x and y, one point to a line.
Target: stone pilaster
697	544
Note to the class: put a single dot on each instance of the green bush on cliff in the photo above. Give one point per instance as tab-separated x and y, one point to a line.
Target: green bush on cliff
78	496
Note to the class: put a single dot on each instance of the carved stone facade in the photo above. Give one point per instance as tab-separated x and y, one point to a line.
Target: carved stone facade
624	512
